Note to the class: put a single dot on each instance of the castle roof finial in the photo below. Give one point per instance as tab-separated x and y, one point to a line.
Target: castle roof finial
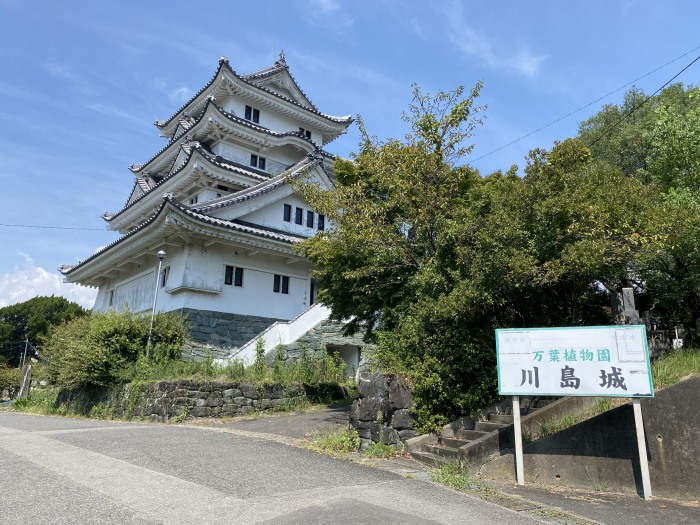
282	60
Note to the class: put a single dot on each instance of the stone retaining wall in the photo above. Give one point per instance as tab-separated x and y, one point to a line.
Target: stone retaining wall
164	400
325	333
187	398
382	410
217	332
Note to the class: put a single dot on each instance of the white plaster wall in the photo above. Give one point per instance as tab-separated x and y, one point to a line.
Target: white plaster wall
196	278
268	118
272	216
277	159
135	293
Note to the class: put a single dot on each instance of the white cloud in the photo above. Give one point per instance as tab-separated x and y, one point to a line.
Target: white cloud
177	95
473	44
325	7
323	11
28	280
418	28
111	111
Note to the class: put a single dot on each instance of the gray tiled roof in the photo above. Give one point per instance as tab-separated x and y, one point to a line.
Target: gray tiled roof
234	120
223	63
254	191
253	174
169	200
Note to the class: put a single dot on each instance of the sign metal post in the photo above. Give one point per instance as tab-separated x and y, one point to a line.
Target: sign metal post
519	469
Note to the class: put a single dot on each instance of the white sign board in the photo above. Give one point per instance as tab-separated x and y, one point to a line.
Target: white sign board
583	361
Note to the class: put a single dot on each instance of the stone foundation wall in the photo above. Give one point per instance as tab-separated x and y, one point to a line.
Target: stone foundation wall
165	400
382	410
186	398
325	333
218	332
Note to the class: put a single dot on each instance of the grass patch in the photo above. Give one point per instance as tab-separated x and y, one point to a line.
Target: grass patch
675	365
552	426
666	371
337	443
380	451
454	476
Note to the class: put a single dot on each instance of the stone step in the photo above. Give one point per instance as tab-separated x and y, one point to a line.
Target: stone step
454	442
469	435
506	419
540	403
447	454
428	458
487	426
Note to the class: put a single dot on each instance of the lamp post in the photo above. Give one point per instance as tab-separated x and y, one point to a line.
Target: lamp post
161	255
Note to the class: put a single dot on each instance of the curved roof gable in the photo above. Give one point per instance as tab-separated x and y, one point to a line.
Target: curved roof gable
236	125
197	152
277	78
258	84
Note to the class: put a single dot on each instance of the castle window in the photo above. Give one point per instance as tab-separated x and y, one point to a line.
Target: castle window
321	222
280	284
111	298
193	200
233	276
305	132
309	219
287	213
299	216
257	162
252	114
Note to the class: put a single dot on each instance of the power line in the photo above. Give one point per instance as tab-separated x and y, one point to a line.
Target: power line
51	227
625	117
596	101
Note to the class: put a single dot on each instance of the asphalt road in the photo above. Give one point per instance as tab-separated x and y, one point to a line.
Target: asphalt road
55	470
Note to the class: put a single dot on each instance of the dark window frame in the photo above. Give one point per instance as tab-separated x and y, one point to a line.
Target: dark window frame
257	161
252	114
280	284
287	214
309	219
299	216
276	283
321	223
233	275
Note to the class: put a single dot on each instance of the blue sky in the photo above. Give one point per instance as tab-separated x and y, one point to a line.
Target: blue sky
83	81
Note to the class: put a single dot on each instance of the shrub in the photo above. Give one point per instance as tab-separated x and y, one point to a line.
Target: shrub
95	350
10	379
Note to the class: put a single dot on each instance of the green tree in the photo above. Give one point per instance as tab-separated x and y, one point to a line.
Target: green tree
659	143
32	320
620	134
429	257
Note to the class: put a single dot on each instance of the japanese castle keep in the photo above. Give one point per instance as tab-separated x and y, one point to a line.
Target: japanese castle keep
217	199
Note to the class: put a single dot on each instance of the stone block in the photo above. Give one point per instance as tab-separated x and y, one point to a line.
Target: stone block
400	394
402	420
406	434
201	402
200	411
273	391
372	386
243	401
215	401
368	408
250	391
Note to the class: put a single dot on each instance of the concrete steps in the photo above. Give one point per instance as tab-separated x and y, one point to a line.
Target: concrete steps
451	445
